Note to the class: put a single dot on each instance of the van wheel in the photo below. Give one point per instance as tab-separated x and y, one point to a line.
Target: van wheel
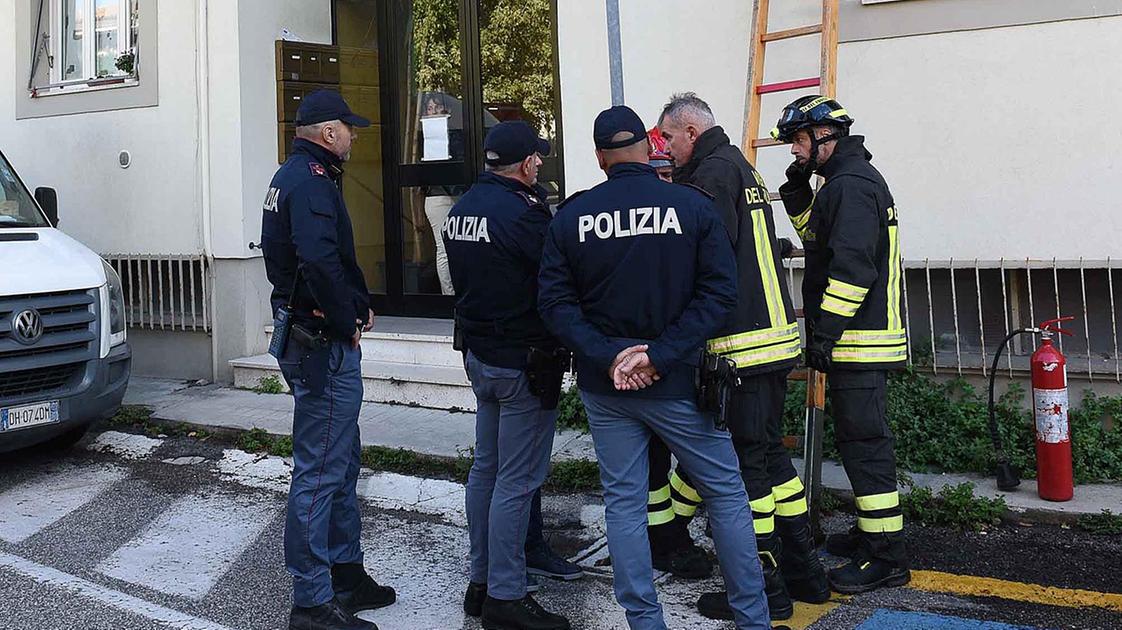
66	440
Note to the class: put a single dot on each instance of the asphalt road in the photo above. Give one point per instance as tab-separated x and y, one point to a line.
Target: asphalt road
127	532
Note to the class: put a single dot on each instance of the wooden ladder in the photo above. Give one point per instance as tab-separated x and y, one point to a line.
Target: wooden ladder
826	80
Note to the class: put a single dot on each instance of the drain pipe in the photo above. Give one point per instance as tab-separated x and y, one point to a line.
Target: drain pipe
202	91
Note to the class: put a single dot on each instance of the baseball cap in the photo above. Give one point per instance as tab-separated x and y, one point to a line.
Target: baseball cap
324	105
511	142
614	120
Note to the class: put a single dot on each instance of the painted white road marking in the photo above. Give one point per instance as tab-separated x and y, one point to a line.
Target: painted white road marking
127	445
192	544
30	507
116	599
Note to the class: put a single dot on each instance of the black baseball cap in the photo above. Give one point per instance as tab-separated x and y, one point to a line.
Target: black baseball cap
511	142
324	105
614	120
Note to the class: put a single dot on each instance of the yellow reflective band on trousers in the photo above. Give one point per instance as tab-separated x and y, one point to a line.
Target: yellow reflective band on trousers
875	502
885	525
789	509
839	306
684	509
763	515
787	489
765	258
661	517
895	270
660	495
684	488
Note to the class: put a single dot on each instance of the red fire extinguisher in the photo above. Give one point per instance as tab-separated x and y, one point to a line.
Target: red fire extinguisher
1050	407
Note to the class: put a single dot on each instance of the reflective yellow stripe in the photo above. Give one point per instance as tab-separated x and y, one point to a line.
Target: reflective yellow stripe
873	338
661	517
765	257
683	488
870	355
787	489
846	290
815	103
763	504
791	508
754	338
763	526
878	501
683	509
837	113
660	495
880	525
839	307
770	354
894	270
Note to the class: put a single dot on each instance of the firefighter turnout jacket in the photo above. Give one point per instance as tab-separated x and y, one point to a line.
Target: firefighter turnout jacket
762	335
852	286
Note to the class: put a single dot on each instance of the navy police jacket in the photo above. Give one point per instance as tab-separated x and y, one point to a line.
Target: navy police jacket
305	223
493	237
637	260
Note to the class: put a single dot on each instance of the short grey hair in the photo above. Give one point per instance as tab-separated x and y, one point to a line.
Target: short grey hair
312	132
500	169
687	108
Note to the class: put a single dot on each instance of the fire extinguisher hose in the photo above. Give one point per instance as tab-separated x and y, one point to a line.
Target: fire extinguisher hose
1007	477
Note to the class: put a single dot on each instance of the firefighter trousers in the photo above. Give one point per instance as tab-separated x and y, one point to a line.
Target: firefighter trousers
867	448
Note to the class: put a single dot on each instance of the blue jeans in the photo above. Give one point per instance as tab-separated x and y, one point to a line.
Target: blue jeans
323	525
513	441
621	427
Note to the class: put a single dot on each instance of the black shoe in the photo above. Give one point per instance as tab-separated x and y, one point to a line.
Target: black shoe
689	562
544	562
520	614
846	545
473	599
863	575
716	605
778	601
357	591
802	570
329	616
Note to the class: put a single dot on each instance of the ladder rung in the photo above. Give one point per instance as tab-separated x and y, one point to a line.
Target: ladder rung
785	86
799	313
774	196
797	375
766	142
791	33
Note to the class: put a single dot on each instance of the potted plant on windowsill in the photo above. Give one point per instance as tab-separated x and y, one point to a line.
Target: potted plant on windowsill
126	62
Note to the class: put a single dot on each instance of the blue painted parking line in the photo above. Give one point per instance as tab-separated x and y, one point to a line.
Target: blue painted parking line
896	620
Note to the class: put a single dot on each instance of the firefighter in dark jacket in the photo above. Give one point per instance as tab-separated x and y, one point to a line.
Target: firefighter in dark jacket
762	338
855	325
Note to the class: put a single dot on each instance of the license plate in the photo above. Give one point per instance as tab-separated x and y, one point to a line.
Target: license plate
28	416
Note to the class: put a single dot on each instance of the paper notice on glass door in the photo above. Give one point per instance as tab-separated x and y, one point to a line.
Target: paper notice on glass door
435	131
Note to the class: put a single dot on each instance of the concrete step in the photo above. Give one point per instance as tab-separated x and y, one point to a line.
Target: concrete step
420	348
432	386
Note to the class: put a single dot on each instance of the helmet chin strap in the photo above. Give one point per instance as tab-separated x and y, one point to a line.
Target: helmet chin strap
815	142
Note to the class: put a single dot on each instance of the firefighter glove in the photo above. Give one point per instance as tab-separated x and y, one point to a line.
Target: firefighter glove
798	175
818	354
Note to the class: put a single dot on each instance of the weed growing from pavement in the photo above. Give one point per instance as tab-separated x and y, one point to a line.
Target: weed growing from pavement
954	506
1105	523
269	385
138	418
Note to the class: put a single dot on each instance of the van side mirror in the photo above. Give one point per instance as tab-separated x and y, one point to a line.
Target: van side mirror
48	201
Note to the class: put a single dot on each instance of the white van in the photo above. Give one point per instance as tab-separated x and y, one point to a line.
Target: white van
64	359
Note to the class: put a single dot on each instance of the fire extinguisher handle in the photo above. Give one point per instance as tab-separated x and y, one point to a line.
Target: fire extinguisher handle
1053	325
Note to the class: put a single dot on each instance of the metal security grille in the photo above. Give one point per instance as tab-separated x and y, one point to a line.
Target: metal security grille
164	291
956	312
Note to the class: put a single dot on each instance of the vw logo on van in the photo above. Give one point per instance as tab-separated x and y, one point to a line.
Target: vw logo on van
27	327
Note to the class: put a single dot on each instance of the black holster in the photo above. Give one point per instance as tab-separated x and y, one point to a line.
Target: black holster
310	339
545	369
716	378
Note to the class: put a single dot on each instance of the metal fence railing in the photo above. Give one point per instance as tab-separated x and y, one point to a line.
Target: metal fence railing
164	291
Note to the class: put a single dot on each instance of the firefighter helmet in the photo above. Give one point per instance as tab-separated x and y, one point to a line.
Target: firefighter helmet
810	111
659	156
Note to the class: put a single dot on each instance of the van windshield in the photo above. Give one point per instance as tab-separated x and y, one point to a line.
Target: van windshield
17	209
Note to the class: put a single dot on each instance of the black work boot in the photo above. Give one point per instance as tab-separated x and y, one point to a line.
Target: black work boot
802	569
846	545
473	599
329	616
357	591
674	551
716	605
520	614
866	574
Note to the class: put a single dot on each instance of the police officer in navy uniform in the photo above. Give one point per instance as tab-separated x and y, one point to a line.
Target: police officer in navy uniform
493	236
636	275
309	252
855	326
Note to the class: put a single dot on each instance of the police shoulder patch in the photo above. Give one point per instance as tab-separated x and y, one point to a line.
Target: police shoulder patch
531	200
317	169
571	197
701	190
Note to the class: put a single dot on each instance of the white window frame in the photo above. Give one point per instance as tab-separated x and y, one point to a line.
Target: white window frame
89	51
